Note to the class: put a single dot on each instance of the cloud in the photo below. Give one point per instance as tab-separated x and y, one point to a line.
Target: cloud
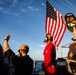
15	7
31	8
43	4
13	40
41	45
37	9
22	22
2	10
1	2
14	2
30	2
5	7
15	14
23	10
5	11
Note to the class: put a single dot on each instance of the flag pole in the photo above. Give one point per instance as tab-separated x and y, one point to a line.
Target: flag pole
46	18
61	51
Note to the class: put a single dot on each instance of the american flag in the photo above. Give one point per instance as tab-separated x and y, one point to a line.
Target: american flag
54	24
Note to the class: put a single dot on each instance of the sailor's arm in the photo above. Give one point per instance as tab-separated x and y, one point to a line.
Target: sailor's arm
7	51
6	44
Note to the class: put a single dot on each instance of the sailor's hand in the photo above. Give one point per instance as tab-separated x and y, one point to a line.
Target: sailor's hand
7	37
43	67
71	54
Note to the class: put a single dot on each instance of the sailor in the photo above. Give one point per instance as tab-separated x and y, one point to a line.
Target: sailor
49	64
24	63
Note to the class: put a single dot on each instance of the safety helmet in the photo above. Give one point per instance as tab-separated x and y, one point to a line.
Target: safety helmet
24	47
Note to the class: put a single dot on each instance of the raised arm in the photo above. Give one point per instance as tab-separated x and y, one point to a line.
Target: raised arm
6	45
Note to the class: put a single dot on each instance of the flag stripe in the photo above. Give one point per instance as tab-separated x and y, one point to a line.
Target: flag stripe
58	27
54	24
51	25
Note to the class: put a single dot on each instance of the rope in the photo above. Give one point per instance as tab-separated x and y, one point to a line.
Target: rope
70	4
58	6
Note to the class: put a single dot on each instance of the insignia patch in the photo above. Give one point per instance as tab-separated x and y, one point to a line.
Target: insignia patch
46	51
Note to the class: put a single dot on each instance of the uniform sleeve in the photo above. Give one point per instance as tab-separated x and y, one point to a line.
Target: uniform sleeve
10	54
47	55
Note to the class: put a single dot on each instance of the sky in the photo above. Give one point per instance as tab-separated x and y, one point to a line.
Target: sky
24	20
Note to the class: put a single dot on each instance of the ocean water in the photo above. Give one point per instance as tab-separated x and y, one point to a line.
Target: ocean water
38	67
